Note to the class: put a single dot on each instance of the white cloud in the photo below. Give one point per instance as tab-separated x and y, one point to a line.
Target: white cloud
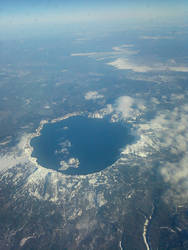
156	37
124	106
46	107
176	174
93	95
171	128
125	64
85	54
123	50
166	132
122	47
179	69
122	59
175	137
128	108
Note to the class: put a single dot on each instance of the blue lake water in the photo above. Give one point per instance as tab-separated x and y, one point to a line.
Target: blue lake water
80	145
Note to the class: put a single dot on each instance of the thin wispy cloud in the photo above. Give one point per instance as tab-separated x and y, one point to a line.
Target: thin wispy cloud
125	58
123	50
156	37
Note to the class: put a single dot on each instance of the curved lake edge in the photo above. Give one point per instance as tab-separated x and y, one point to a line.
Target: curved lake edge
29	149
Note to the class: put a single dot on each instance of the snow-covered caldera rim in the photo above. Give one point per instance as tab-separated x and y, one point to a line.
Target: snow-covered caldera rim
121	110
101	114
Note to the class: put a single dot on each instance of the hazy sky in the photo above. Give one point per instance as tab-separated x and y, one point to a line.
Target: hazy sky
24	7
34	13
